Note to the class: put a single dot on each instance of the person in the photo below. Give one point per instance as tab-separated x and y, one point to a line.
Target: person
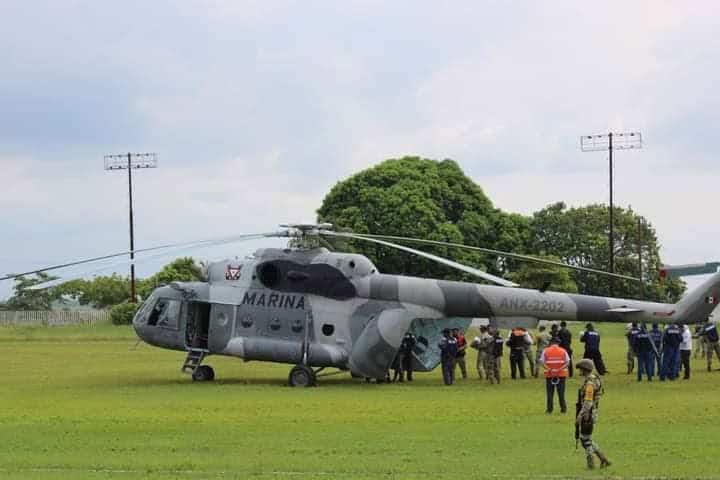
461	350
448	349
712	342
543	341
566	343
482	345
672	338
528	351
517	338
630	331
643	348
686	351
494	356
656	336
554	332
405	357
591	339
555	360
586	410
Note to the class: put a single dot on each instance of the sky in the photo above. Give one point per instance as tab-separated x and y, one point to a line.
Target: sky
257	108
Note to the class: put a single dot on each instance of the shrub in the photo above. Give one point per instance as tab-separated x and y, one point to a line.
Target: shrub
123	313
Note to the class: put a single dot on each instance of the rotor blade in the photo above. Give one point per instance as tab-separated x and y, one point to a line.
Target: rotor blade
207	244
444	261
149	249
517	256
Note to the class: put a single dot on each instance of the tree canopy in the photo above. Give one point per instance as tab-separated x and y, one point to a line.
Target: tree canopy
423	198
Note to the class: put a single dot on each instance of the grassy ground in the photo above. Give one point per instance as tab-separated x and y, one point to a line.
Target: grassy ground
83	403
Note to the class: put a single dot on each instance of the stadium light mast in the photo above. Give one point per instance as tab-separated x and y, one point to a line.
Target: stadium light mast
611	141
130	161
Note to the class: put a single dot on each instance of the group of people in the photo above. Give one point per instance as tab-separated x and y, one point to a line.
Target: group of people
668	351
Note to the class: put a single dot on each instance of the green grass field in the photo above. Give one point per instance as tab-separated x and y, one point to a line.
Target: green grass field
83	403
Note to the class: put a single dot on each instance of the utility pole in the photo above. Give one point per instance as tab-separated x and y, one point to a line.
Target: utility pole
611	141
640	269
130	161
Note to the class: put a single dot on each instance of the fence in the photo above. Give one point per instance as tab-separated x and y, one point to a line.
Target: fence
53	317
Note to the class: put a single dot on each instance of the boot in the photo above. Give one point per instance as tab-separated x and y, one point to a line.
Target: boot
590	462
604	462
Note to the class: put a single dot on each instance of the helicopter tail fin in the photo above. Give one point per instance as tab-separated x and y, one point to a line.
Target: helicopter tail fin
699	303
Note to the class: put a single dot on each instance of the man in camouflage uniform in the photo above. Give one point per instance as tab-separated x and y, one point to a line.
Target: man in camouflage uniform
543	341
701	349
494	356
482	344
587	412
631	331
529	352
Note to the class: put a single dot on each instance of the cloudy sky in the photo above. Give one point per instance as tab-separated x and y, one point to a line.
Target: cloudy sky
257	108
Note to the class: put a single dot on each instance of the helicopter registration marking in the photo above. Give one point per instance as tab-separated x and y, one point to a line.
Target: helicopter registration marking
274	300
530	305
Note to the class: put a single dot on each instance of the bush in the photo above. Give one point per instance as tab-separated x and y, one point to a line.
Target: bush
123	313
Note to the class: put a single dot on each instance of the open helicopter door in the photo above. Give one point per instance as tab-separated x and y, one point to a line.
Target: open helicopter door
198	325
428	332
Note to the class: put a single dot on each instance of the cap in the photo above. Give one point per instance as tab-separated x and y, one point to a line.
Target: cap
585	364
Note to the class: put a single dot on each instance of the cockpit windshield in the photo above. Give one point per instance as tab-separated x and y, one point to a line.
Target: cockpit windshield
165	313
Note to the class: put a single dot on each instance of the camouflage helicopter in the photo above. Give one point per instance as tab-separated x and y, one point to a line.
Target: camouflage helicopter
313	308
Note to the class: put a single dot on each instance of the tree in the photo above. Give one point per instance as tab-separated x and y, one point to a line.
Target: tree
25	298
579	236
537	275
423	198
179	270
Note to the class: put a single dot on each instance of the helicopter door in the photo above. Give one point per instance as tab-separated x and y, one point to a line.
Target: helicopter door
198	325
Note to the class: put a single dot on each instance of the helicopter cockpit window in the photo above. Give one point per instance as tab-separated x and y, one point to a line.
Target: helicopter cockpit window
165	313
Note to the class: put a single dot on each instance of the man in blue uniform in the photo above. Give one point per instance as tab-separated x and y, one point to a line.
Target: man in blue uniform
448	350
591	339
644	350
656	336
672	338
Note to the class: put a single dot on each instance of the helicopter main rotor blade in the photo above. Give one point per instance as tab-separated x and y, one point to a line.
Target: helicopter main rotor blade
444	261
231	239
516	256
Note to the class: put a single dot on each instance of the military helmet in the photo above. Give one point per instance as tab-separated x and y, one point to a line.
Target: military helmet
585	364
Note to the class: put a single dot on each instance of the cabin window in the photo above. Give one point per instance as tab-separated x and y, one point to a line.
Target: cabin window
328	329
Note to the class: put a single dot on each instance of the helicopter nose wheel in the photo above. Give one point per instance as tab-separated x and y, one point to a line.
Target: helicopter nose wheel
302	376
203	373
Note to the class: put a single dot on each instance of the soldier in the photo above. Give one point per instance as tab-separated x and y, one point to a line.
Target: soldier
517	339
494	356
591	339
630	331
448	349
643	348
554	332
556	360
482	344
566	343
672	338
461	350
543	341
405	357
710	334
656	337
587	412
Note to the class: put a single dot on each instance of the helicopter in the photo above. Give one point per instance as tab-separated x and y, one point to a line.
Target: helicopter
314	308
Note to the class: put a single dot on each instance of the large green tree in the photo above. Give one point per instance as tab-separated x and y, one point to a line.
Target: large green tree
26	298
580	236
423	198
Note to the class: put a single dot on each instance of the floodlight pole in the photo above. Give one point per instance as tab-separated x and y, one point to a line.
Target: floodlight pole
590	143
118	162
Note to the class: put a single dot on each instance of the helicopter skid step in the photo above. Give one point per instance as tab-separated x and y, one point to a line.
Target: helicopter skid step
193	363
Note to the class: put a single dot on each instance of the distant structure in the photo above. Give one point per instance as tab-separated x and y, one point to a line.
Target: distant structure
130	161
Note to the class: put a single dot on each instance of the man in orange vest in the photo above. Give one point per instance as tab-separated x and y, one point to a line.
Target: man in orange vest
556	361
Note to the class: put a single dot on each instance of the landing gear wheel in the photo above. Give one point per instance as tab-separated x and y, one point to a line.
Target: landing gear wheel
203	373
301	376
